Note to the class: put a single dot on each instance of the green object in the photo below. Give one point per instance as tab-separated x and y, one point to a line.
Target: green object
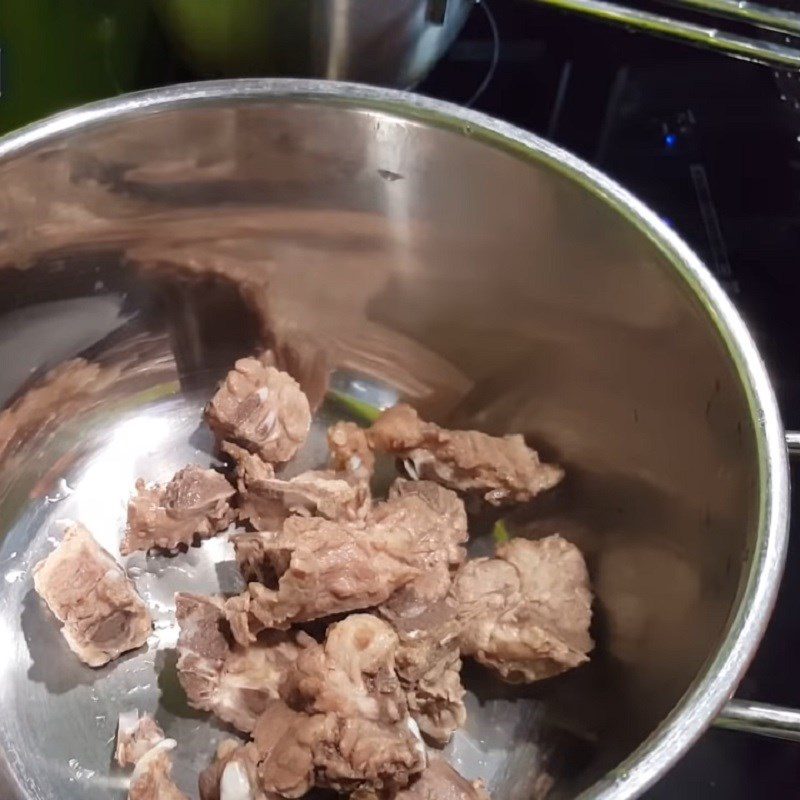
362	411
239	37
59	53
500	532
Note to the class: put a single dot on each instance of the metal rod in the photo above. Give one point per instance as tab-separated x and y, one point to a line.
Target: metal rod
760	718
793	442
774	55
775	19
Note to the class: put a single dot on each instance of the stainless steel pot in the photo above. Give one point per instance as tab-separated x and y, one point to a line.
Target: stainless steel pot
389	43
438	255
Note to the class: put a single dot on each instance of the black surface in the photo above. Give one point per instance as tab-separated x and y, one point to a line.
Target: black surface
713	145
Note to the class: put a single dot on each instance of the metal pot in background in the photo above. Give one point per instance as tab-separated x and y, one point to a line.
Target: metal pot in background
375	41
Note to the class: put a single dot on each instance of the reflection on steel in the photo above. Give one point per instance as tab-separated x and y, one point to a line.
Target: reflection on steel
784	56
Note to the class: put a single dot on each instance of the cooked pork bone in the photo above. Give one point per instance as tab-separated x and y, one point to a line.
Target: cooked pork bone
313	567
351	452
152	775
317	568
261	409
501	470
232	775
346	722
135	736
305	361
194	504
266	501
342	723
141	745
526	612
438	782
428	660
220	676
423	614
89	592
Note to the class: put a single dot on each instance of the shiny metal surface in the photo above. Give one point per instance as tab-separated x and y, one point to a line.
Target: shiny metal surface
760	718
711	37
391	44
438	255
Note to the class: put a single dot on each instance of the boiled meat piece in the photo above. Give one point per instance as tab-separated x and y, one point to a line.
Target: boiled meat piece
438	782
141	744
305	361
313	567
135	736
232	775
266	501
194	504
423	614
428	659
351	452
526	612
261	409
345	724
500	469
89	592
220	676
152	775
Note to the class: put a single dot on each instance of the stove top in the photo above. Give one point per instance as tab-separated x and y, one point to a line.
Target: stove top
712	144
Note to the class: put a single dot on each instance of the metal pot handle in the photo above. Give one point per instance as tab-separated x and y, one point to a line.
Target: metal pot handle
762	718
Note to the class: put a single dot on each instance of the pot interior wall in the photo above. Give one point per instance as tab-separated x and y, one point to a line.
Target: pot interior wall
481	284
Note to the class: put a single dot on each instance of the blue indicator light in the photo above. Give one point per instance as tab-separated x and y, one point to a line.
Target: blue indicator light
670	140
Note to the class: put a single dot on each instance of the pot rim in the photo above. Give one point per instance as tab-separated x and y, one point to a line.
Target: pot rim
722	672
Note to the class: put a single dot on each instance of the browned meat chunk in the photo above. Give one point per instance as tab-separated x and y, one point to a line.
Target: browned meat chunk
346	724
220	676
314	567
89	592
232	775
526	612
135	736
141	744
351	452
501	470
266	501
261	409
194	504
438	782
152	775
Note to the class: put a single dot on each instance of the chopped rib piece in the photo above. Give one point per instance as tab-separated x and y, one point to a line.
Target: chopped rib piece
232	775
152	775
351	452
88	591
438	782
526	612
141	744
135	736
314	567
500	469
266	501
220	676
261	409
194	504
